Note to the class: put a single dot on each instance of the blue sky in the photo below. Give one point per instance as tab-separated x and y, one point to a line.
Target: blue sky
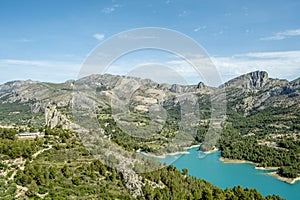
49	40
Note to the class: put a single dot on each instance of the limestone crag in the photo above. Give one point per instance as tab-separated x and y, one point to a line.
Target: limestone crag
53	118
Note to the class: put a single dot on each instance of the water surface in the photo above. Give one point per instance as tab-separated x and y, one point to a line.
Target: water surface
208	167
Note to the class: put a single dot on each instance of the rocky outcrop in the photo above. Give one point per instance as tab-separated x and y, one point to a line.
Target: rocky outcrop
251	81
53	118
256	91
181	89
258	79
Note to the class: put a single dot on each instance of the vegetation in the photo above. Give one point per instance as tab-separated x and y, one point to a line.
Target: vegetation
58	166
7	133
180	186
62	168
20	113
159	139
267	137
254	138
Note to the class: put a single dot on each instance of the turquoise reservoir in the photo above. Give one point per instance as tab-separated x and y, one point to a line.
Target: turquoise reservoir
208	167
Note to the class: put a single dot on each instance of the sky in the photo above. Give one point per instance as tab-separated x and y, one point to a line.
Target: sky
50	40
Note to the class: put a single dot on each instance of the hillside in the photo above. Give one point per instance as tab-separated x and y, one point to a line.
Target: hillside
257	121
57	166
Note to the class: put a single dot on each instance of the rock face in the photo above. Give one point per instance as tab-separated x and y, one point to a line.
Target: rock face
254	80
258	79
256	91
53	118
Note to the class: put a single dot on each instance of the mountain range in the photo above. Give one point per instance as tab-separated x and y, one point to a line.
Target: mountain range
244	118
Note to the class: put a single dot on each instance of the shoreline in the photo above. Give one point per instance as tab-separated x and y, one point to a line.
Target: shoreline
266	168
193	146
273	174
210	151
284	179
164	155
234	161
229	161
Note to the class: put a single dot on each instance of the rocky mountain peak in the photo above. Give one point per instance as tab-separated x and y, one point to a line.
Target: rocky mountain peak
258	78
12	85
252	80
200	85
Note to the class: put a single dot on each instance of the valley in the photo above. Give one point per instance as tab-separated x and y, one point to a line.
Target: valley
90	137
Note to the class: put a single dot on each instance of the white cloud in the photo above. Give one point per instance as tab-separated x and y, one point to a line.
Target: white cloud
183	13
23	62
111	9
283	35
37	63
25	40
282	64
199	28
42	70
99	36
108	10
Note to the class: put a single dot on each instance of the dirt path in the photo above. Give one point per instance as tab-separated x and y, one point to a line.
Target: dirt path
41	151
21	190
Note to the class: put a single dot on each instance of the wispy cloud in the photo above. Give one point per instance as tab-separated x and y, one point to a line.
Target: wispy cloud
281	64
99	36
199	28
183	13
24	40
108	10
283	35
23	62
38	63
42	70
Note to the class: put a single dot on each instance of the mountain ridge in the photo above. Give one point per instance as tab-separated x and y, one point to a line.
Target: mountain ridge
256	107
255	89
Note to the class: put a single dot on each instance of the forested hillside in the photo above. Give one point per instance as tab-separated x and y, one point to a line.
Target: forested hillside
57	166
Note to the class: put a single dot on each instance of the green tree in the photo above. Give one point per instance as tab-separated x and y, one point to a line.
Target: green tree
52	172
66	171
185	171
207	194
32	189
32	129
76	180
